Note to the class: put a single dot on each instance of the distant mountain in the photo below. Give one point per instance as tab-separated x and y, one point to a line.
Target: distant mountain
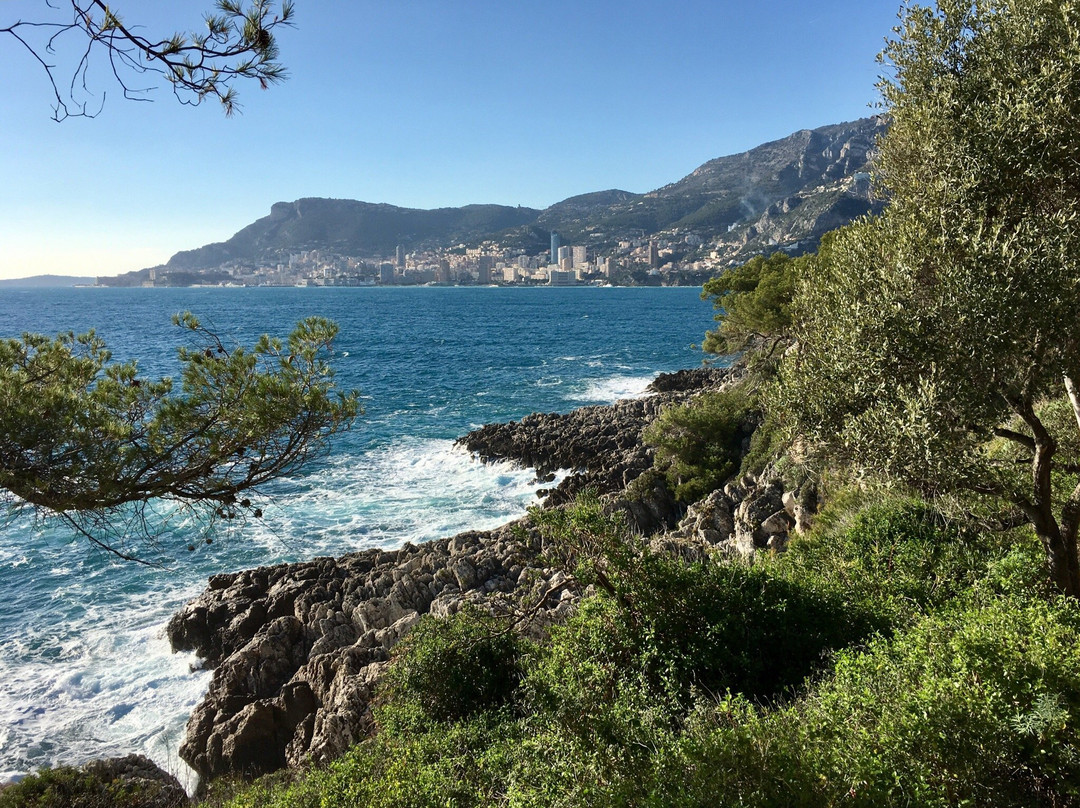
349	227
747	200
784	194
41	281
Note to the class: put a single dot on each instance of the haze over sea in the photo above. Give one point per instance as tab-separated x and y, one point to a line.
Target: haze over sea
85	669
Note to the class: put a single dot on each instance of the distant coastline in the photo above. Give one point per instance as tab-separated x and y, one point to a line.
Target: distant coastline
47	281
71	282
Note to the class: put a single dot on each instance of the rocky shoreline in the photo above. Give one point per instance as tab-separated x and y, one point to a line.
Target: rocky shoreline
297	649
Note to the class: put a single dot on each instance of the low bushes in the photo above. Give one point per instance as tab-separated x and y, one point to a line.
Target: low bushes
69	787
449	670
974	707
899	559
699	445
892	660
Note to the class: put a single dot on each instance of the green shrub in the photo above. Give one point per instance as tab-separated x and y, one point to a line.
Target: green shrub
675	628
449	669
977	707
699	445
682	630
753	301
68	787
447	764
900	558
732	753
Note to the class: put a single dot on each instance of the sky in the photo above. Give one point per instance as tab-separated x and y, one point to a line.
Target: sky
417	103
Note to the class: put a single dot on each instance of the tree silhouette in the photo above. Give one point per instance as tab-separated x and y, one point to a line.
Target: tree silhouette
238	42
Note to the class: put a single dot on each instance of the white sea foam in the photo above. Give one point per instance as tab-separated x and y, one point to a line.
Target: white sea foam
93	675
110	687
411	490
615	388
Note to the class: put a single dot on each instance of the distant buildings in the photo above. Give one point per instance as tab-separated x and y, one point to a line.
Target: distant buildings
654	254
666	259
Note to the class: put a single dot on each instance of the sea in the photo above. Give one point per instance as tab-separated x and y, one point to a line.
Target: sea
85	668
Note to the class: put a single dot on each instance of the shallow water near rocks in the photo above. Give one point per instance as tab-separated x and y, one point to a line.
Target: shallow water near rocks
85	669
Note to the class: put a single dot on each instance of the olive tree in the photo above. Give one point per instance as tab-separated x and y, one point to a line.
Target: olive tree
940	343
236	41
87	440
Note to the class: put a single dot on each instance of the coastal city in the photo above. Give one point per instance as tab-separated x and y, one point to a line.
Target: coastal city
640	262
719	216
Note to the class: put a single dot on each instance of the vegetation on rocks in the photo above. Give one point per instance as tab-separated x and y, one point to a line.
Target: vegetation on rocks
890	658
130	782
699	445
918	644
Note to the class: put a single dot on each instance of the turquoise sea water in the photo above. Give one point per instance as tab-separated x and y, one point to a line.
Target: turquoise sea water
85	669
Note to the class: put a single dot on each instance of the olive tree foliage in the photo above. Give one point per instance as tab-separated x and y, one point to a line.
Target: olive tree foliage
940	343
236	41
87	440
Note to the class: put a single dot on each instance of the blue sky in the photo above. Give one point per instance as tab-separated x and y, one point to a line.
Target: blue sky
420	103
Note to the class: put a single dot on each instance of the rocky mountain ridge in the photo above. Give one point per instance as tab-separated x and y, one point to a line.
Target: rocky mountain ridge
782	194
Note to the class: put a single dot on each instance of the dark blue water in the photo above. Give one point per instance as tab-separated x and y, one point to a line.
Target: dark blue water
85	670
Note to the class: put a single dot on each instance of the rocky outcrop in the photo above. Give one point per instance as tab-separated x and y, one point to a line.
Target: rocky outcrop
298	648
692	379
748	515
601	446
138	776
133	781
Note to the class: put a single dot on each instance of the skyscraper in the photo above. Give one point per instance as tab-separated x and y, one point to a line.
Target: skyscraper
555	243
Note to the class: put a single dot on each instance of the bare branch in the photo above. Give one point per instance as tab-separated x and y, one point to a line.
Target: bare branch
1016	437
239	43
